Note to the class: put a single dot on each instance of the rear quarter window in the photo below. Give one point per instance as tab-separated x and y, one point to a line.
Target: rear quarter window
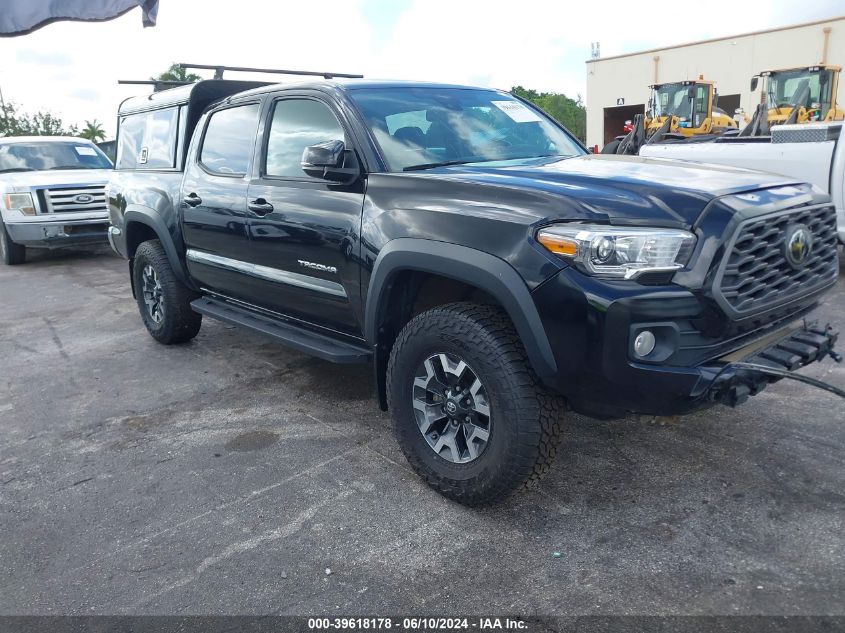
147	140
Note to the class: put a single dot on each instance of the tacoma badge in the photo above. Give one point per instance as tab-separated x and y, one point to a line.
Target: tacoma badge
320	267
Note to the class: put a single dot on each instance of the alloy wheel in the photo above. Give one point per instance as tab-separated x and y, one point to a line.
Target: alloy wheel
153	294
451	407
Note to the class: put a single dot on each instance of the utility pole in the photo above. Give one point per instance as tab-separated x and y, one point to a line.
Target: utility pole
3	108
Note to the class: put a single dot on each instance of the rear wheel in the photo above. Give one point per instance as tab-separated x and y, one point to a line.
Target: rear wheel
11	253
163	300
469	414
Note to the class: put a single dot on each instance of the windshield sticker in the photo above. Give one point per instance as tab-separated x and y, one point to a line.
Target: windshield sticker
85	151
517	111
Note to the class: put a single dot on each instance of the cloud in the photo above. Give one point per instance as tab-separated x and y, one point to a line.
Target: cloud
43	58
86	94
538	44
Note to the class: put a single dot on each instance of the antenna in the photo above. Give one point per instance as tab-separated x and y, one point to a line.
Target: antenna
595	50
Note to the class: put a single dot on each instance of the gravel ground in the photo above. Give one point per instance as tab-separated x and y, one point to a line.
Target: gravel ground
232	476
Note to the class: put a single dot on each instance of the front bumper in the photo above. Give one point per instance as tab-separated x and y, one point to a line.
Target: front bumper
57	234
590	325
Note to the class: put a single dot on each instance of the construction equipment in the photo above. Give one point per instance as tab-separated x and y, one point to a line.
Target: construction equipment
799	95
677	110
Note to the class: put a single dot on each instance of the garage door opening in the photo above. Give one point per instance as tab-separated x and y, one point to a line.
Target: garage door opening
614	119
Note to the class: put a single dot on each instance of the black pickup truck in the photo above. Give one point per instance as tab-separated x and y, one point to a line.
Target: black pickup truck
492	271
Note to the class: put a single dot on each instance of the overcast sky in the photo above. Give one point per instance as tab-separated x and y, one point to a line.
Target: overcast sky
72	68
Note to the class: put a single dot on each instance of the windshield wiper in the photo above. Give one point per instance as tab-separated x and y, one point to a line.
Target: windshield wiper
444	163
69	167
11	169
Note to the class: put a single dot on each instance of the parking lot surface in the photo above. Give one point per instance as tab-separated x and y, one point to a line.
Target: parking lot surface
233	476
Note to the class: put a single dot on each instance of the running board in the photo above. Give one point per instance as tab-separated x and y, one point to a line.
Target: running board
298	338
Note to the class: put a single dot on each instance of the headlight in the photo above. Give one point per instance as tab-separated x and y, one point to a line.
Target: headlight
19	202
619	252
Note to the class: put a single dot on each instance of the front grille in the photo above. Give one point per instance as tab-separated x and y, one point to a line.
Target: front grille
75	199
757	274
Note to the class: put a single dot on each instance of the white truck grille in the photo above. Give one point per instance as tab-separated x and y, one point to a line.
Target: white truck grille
75	199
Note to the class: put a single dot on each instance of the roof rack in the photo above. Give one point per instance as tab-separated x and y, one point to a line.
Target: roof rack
218	71
159	85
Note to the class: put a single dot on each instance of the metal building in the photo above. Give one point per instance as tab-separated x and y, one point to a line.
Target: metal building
618	86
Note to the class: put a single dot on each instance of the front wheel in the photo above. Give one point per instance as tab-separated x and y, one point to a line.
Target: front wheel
163	300
469	414
11	253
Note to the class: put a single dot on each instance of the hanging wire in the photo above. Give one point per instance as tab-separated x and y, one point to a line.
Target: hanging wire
783	373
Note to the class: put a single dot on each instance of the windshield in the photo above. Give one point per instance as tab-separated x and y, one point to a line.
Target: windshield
36	155
426	127
800	87
671	99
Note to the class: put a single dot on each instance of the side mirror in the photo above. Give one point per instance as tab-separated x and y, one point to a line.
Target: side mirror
691	93
754	83
715	99
330	161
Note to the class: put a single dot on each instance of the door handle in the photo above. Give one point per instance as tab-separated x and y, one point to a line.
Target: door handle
260	206
192	200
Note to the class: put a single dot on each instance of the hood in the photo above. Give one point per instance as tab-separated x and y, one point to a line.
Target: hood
619	189
59	177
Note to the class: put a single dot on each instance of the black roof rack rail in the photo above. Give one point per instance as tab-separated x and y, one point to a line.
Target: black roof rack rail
154	82
218	71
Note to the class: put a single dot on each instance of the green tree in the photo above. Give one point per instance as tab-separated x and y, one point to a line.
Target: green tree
177	73
14	122
571	113
93	131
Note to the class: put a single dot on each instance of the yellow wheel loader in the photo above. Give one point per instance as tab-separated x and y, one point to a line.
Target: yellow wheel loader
800	95
676	111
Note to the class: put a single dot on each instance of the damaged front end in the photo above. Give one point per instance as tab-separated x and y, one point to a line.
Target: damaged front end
748	371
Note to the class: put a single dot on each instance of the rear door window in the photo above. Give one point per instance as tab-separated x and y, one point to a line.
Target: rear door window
229	140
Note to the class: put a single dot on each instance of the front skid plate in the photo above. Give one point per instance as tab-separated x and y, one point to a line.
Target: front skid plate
804	345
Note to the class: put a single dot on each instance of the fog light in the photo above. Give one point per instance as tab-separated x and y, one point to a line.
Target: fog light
644	343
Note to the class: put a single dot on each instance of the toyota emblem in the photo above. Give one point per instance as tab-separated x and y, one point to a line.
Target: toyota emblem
798	246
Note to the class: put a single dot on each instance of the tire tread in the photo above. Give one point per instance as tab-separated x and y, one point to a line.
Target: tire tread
181	323
538	411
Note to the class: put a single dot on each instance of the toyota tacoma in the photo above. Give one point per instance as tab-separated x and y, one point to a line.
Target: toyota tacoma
492	272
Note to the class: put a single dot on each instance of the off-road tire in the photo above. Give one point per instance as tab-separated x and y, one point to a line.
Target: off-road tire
11	253
610	148
179	323
525	419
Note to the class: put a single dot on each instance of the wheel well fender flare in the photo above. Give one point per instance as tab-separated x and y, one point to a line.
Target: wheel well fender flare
136	214
482	270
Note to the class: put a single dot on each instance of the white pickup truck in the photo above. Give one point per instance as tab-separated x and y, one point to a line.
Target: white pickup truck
807	152
52	194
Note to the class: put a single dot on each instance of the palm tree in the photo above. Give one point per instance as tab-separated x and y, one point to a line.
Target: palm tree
177	73
93	131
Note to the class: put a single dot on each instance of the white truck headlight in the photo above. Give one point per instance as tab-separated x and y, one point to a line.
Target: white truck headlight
19	202
619	252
